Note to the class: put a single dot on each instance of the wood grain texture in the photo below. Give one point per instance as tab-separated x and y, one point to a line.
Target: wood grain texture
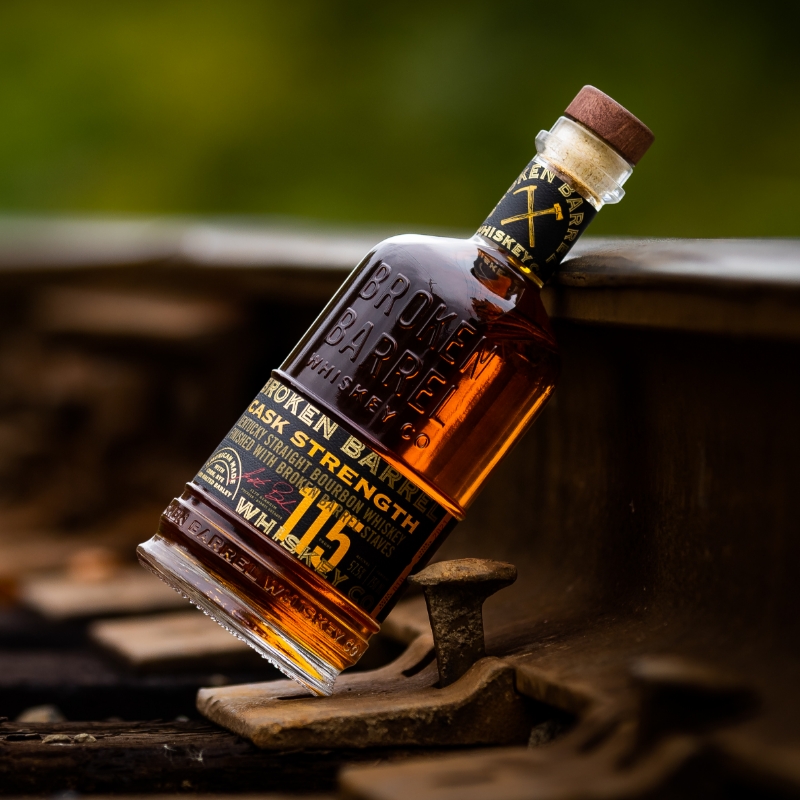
151	757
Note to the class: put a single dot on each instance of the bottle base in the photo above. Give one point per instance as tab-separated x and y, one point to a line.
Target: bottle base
181	571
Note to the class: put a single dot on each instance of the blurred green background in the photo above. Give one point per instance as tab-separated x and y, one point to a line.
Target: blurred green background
413	113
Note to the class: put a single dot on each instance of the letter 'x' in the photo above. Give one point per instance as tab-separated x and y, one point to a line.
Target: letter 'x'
556	209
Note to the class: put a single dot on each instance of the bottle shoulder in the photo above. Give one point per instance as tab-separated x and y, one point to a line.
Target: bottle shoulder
466	273
433	352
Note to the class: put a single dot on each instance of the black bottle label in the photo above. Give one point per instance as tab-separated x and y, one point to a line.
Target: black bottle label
538	220
306	483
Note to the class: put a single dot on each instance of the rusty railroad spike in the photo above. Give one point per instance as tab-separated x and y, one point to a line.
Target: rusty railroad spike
455	592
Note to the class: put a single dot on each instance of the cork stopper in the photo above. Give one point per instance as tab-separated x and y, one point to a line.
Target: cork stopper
629	136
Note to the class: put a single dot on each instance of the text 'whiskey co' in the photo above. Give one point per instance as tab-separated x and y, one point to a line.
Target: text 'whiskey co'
367	445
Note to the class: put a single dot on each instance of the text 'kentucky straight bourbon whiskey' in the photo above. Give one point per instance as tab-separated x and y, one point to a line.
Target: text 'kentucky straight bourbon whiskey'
362	451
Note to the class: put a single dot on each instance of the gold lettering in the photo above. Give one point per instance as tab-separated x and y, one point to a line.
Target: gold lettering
347	474
307	414
372	462
330	461
365	488
352	447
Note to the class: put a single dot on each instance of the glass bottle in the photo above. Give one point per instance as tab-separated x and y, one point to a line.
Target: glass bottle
370	441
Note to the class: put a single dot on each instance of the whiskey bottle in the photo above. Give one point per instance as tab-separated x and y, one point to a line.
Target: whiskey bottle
365	447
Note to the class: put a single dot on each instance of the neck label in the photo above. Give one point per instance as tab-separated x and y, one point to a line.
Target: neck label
538	220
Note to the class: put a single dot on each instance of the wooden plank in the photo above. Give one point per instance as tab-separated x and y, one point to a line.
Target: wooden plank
152	757
774	315
129	590
220	796
134	314
84	684
741	286
745	287
171	641
718	264
58	244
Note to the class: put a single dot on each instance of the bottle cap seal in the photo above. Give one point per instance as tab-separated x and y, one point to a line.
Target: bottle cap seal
629	136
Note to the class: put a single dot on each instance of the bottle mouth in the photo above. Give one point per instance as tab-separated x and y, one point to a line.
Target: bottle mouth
575	150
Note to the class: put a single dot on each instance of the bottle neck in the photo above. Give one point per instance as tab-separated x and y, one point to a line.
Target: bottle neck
555	197
597	170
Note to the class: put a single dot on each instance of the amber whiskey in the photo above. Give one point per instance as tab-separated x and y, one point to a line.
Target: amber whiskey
364	448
